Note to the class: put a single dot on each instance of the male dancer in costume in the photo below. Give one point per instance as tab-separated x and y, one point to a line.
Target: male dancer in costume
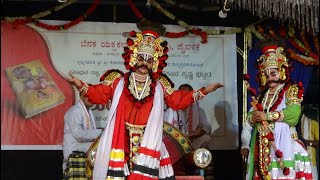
269	133
131	145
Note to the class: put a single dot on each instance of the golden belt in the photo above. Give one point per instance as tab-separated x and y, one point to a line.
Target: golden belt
135	136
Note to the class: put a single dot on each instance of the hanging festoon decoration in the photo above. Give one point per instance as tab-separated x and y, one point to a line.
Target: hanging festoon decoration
71	23
301	13
24	19
35	18
300	46
195	31
202	33
304	54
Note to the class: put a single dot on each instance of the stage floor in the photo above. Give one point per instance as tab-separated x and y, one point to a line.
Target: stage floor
189	178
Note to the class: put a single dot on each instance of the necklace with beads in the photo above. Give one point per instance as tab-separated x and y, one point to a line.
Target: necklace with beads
270	97
139	85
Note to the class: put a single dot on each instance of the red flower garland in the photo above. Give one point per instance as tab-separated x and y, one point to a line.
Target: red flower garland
278	153
135	10
280	97
133	34
270	136
306	50
283	33
246	77
176	35
301	89
286	171
251	90
70	24
197	31
21	22
202	34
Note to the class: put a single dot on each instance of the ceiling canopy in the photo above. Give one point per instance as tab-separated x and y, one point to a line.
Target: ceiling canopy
302	14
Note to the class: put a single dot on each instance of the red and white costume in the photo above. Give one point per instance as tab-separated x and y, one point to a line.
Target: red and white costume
131	145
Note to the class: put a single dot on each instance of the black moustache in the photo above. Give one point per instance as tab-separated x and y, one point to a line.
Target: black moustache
274	81
142	66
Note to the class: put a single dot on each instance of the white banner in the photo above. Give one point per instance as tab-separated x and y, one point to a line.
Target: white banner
91	48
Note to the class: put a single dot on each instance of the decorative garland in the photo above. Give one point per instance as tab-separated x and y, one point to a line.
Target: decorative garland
176	35
312	58
69	24
316	43
296	43
251	91
140	17
303	59
195	31
305	42
135	10
168	34
42	14
276	104
34	18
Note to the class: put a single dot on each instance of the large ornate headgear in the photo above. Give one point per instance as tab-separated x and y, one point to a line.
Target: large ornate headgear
149	43
272	57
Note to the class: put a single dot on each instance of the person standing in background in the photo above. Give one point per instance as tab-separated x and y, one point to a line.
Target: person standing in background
79	133
310	135
191	121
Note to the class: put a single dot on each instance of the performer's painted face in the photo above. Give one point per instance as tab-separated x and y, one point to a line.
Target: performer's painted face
272	77
144	63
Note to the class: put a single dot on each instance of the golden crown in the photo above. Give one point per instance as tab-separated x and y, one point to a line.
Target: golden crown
148	42
147	46
272	57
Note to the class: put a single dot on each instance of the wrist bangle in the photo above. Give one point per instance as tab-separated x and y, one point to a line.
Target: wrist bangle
198	95
251	123
273	116
84	89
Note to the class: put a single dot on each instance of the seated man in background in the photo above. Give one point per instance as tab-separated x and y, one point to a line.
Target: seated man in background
310	135
192	122
79	133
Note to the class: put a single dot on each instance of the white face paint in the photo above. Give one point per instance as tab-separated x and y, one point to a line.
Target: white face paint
144	63
272	75
147	58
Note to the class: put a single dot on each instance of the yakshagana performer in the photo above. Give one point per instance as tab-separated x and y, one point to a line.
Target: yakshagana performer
131	144
269	133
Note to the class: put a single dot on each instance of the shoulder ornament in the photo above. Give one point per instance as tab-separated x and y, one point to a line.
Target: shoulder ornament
167	84
109	77
293	94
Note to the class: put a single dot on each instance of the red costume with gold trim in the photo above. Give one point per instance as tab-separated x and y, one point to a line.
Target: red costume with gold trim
137	113
134	128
